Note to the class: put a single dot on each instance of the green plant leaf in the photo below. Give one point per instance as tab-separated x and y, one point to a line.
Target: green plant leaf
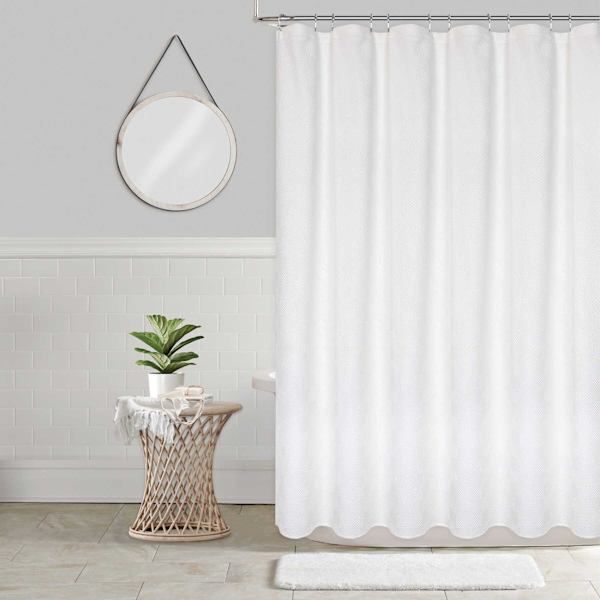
149	363
159	324
176	366
144	350
164	342
176	335
149	338
173	324
163	326
183	356
160	359
186	342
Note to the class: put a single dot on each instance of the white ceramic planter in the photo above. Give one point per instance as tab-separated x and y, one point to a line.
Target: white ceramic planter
158	383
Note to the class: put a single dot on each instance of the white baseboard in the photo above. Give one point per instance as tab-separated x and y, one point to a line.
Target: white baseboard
236	482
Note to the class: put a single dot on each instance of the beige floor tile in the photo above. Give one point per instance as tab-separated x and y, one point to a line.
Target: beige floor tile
230	509
585	552
23	512
118	529
49	544
556	563
265	510
206	571
75	527
50	552
129	512
554	590
76	591
18	506
199	551
588	559
257	570
57	507
559	564
14	524
88	535
13	574
9	548
363	595
211	591
30	520
103	508
75	519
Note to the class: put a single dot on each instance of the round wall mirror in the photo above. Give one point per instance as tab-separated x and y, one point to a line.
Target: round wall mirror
176	151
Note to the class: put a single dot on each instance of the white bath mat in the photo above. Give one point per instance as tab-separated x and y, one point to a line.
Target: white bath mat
407	571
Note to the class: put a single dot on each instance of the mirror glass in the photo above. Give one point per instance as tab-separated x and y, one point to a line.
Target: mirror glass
176	151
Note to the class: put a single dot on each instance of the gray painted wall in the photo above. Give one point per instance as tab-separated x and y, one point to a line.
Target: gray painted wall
69	70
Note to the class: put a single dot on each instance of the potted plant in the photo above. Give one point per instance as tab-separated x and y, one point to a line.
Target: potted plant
164	354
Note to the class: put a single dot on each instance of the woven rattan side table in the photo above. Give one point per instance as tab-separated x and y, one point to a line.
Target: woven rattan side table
179	503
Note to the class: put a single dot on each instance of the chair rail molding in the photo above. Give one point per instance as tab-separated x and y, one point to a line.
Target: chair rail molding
59	247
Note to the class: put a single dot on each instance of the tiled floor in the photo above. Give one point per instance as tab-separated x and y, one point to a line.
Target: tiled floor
83	552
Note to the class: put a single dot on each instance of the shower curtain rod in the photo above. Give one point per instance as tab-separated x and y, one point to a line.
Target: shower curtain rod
283	19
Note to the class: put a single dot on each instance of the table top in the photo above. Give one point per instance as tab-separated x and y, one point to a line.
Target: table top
213	409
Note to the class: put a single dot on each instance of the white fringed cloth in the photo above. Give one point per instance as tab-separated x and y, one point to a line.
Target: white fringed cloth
139	413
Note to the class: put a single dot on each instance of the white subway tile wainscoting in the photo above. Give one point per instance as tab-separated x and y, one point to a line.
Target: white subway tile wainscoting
65	355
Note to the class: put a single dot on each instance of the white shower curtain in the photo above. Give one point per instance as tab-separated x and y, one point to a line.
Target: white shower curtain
438	222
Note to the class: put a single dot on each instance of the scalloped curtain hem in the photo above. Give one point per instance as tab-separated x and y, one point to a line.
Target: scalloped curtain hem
455	533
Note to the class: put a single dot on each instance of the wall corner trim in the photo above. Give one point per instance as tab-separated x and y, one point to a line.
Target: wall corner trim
78	247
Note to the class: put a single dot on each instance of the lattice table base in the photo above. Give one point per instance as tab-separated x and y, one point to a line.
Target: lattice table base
179	503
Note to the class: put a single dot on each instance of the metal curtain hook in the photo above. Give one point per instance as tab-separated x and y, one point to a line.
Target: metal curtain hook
508	23
388	22
279	22
489	22
332	21
570	23
315	21
429	23
449	22
551	21
371	23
